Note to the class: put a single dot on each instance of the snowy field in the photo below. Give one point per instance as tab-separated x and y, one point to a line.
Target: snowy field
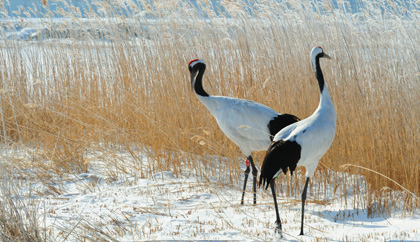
118	198
120	206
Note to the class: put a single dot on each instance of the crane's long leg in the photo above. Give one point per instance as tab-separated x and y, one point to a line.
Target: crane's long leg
254	174
278	221
250	162
303	204
246	179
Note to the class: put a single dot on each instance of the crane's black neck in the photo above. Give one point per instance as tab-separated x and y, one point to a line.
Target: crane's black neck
198	85
319	75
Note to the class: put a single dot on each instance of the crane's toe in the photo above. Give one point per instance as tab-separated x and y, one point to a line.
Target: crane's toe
278	232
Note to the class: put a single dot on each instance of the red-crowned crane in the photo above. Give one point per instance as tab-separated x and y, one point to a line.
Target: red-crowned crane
250	125
302	143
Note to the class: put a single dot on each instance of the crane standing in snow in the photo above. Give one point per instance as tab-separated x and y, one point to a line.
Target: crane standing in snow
302	143
250	125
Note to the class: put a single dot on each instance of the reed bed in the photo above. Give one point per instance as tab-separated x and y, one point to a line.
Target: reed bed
122	81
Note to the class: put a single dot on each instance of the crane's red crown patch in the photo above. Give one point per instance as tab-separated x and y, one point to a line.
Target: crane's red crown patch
189	63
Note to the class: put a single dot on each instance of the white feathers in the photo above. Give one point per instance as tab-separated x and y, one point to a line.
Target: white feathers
244	122
314	53
314	134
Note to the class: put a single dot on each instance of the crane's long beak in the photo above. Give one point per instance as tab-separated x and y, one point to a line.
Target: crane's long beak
327	56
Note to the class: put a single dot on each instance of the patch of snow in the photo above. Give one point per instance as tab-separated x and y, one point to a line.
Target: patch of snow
24	34
163	175
186	207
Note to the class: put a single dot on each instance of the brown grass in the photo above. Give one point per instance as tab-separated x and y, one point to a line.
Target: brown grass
17	221
68	96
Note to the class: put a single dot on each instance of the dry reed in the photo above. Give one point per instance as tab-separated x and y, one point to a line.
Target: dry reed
123	81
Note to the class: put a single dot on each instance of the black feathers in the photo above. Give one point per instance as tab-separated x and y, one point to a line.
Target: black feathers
319	75
279	122
197	81
281	155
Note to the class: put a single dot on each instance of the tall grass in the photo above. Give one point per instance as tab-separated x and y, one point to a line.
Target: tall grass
22	217
123	81
18	220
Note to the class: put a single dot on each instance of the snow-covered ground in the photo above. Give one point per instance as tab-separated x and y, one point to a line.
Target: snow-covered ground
117	203
161	207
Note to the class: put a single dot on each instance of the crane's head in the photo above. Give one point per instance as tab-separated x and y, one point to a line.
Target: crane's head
318	52
194	66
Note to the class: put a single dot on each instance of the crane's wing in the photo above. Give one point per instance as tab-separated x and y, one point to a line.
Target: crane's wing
281	156
246	118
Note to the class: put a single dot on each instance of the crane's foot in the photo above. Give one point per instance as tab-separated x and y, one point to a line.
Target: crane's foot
278	232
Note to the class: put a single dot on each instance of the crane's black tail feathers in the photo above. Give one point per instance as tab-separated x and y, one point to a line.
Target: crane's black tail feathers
265	182
281	156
